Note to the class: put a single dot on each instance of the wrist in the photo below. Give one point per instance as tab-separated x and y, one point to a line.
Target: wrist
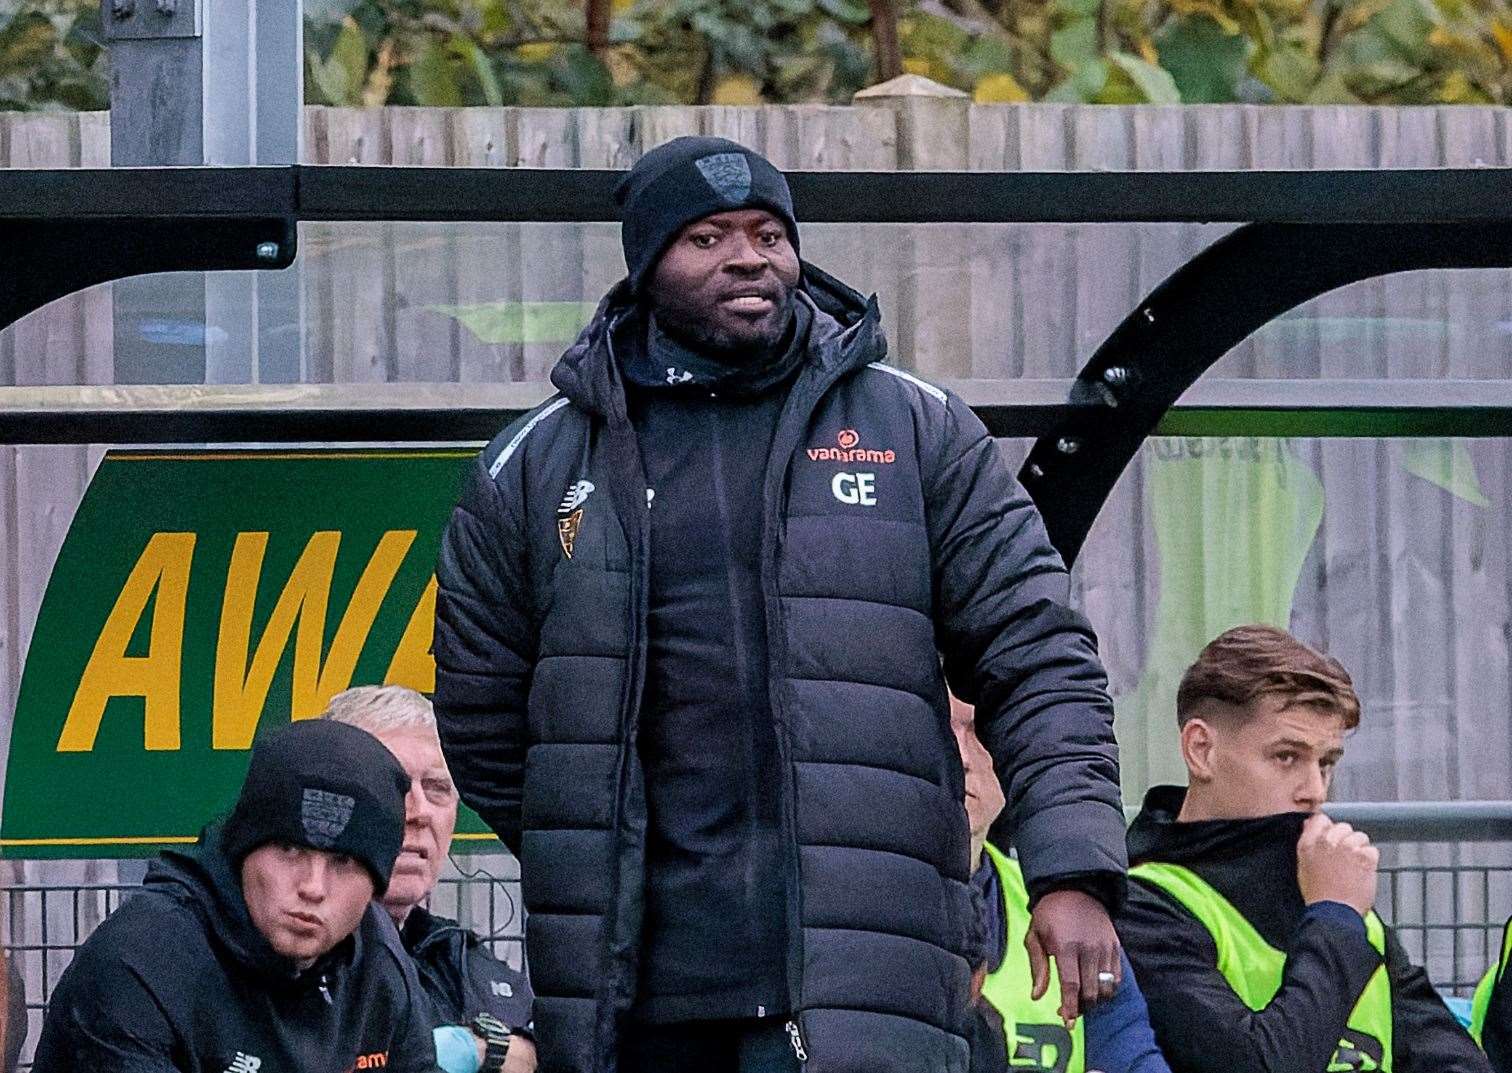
1339	913
1311	899
1106	888
494	1036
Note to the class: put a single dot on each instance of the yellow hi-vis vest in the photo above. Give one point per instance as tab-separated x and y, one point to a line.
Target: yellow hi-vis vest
1482	1000
1253	967
1037	1040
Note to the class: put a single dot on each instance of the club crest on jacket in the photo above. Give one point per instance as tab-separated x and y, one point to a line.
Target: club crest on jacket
567	530
576	496
570	514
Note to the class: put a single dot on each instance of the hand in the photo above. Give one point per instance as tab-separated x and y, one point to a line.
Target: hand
978	981
1336	863
521	1057
1074	929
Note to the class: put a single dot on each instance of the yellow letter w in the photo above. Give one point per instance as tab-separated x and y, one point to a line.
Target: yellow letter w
241	687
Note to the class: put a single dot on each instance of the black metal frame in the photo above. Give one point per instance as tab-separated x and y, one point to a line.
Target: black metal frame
424	413
44	260
585	195
1195	317
1307	233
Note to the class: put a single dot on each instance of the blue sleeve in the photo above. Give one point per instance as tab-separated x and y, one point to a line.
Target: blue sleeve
456	1049
1118	1032
1340	915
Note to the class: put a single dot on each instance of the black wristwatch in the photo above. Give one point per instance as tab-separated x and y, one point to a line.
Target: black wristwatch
495	1036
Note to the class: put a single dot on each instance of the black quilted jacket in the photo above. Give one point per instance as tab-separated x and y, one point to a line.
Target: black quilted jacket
894	533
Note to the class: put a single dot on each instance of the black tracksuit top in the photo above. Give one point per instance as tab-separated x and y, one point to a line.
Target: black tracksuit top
1496	1037
460	977
1201	1024
715	867
179	980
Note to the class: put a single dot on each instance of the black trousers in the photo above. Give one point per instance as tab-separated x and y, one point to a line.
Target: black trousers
747	1046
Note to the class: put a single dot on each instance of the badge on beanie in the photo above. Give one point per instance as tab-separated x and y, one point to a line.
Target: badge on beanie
729	174
325	816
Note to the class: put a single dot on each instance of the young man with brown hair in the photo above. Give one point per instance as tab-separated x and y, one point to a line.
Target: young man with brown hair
1250	923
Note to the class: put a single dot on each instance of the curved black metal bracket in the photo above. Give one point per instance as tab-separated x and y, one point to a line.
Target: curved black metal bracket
1198	315
44	260
64	230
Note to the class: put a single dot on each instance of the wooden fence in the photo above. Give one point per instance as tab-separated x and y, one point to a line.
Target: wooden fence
1406	579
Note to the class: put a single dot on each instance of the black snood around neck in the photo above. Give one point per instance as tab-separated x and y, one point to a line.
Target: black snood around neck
664	362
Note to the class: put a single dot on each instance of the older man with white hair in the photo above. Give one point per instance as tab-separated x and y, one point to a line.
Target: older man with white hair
466	985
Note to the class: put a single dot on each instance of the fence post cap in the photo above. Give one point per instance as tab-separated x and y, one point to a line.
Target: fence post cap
909	85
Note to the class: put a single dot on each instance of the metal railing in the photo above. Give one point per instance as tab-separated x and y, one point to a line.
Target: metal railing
473	413
1448	916
1445	917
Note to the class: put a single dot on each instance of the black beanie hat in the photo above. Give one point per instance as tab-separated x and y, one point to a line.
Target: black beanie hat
685	180
325	785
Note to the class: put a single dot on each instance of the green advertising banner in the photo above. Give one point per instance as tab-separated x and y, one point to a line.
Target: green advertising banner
198	600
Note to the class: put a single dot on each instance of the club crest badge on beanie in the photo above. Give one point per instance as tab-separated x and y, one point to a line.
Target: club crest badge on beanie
325	816
728	175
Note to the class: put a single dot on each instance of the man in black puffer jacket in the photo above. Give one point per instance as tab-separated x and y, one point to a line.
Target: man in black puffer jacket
688	641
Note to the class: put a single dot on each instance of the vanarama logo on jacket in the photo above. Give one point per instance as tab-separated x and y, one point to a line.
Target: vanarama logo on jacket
850	451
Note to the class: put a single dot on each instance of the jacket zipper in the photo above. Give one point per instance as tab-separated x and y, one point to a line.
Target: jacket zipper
637	532
772	496
325	991
778	463
795	1037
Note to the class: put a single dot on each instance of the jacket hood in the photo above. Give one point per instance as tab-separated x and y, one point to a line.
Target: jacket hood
202	877
1263	842
846	334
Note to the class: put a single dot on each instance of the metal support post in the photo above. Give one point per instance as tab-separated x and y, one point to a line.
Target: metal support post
197	82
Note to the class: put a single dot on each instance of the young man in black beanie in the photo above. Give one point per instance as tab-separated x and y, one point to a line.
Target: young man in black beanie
260	949
689	624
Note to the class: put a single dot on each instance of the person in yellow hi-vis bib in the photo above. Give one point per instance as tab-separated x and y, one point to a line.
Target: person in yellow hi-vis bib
1491	1012
1249	920
1019	1024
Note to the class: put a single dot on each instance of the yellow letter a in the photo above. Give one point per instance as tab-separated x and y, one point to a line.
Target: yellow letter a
164	567
413	665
